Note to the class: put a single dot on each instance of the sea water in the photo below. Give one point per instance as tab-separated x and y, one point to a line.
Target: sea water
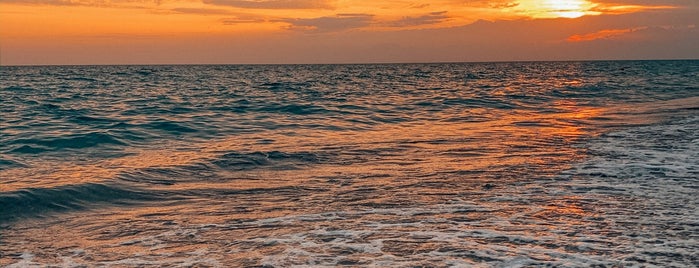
385	165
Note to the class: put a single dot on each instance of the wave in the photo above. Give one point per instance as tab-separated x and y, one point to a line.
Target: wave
667	151
79	78
296	109
273	159
285	86
7	164
74	141
28	149
38	202
209	170
84	119
18	88
169	126
504	104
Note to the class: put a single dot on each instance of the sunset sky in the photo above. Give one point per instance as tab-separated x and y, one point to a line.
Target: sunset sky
343	31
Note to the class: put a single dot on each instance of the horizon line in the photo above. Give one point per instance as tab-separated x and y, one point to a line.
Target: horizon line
344	63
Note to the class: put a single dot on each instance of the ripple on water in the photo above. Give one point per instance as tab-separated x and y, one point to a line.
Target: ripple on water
444	165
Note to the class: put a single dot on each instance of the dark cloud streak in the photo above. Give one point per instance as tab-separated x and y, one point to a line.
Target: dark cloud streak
340	22
431	18
242	20
92	3
201	11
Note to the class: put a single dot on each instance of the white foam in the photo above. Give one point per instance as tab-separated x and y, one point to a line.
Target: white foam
632	202
26	260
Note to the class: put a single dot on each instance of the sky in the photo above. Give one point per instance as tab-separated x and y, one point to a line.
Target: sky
48	32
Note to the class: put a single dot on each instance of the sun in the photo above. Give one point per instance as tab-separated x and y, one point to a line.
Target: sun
557	8
568	8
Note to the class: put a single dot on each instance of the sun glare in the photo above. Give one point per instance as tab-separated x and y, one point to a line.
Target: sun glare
569	8
558	8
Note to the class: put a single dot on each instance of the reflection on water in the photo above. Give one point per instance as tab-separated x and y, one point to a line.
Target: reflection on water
488	143
408	165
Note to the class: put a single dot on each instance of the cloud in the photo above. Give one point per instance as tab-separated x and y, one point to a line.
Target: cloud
243	19
496	4
200	11
48	2
635	6
247	4
622	9
420	6
647	2
431	18
273	4
340	22
603	34
92	3
503	40
504	5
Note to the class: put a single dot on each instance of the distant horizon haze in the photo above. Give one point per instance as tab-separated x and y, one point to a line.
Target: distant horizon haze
346	63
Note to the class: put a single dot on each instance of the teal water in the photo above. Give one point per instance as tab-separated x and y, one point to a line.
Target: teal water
393	165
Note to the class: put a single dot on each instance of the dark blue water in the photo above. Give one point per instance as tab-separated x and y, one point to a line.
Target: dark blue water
438	165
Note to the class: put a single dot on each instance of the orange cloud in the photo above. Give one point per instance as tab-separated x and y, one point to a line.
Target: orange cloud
34	31
579	8
339	22
273	4
200	11
621	9
431	18
603	34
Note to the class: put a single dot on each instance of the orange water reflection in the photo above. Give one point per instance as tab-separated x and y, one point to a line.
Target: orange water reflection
380	171
511	139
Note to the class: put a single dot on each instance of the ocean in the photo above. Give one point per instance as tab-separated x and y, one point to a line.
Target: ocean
560	164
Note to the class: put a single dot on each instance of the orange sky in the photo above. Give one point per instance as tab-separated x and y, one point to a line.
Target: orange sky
329	31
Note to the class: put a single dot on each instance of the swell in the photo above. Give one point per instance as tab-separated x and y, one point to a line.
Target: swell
73	141
8	163
42	202
246	161
39	202
93	133
208	169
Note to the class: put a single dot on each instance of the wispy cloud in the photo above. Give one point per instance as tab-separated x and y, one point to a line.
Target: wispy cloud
243	19
273	4
419	5
636	33
93	3
504	5
603	34
340	22
201	11
485	3
627	8
646	2
431	18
